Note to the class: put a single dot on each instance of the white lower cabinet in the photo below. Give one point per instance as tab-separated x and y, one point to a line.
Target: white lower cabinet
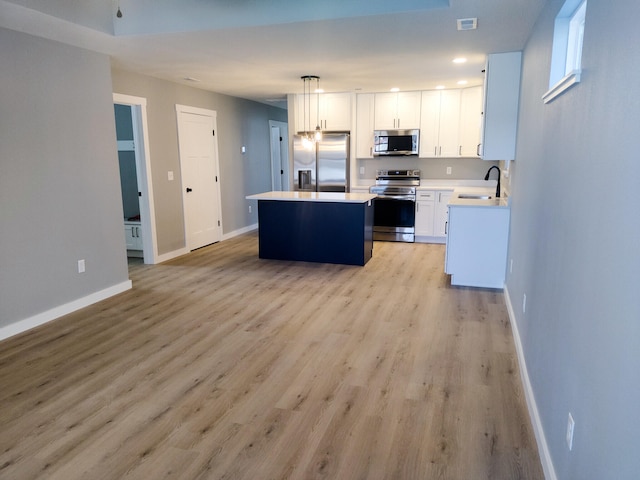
425	209
431	215
133	235
442	213
477	242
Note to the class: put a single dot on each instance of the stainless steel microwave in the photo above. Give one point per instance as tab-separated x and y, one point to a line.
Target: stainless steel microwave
396	142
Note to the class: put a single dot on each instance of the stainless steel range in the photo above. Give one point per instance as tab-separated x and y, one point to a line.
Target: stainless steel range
394	212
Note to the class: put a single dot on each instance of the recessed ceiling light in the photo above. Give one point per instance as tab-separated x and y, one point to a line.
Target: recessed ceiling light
440	87
467	23
318	90
462	82
395	89
459	60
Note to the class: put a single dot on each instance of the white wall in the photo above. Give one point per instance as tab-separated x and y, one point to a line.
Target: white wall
575	244
59	183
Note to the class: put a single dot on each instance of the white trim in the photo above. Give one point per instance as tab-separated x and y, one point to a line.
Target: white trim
240	231
196	110
141	141
61	310
534	414
563	85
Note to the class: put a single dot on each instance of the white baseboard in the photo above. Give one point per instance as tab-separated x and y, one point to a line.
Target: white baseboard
240	231
543	447
61	310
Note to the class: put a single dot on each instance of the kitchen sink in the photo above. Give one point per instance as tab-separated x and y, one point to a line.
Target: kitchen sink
472	196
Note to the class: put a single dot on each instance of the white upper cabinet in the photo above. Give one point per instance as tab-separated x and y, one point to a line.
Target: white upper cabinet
440	124
501	96
397	111
450	122
470	121
430	124
364	125
449	137
334	112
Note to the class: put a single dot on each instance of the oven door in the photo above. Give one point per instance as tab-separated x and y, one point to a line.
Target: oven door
394	218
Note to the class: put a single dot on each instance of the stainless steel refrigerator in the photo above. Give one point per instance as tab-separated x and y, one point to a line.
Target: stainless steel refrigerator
324	167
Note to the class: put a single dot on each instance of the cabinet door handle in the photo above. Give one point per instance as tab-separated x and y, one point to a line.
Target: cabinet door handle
440	151
459	150
446	224
435	151
478	149
417	207
371	151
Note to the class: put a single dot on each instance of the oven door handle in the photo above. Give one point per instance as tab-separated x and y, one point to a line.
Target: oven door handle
411	198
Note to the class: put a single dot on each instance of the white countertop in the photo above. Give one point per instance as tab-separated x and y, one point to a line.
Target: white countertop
456	201
314	197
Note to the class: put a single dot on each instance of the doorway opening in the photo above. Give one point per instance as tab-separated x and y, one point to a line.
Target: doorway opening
133	156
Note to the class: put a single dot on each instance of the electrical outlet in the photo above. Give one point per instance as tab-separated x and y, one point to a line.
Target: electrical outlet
448	170
170	175
524	303
249	208
361	170
81	266
571	424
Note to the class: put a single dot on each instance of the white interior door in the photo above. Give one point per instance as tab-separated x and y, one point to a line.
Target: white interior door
199	169
279	155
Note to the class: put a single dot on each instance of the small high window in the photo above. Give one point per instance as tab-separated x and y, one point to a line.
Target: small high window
566	56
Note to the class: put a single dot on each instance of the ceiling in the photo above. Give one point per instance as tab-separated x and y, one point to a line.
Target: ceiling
259	49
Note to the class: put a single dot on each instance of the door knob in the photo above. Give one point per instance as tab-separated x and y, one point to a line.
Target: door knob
189	190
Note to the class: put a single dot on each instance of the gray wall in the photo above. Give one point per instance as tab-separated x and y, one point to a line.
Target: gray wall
59	183
575	244
240	122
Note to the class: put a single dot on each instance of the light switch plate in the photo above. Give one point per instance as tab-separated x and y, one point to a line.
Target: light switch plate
170	175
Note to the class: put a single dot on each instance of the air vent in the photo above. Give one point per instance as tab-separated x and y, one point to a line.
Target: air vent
467	23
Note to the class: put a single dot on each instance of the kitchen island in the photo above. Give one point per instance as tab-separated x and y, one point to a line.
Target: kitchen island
327	227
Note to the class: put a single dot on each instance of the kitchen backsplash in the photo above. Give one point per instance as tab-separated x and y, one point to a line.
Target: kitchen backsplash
431	168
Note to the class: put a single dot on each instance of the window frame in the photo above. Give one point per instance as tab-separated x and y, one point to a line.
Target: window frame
566	56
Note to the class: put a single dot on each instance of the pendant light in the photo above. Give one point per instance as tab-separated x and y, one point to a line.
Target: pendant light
318	135
310	136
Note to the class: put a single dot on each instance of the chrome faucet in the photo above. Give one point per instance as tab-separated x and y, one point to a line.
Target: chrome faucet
486	177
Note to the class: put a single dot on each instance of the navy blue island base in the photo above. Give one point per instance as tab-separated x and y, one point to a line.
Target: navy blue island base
316	231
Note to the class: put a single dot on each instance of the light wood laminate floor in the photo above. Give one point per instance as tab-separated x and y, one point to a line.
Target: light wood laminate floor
219	365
